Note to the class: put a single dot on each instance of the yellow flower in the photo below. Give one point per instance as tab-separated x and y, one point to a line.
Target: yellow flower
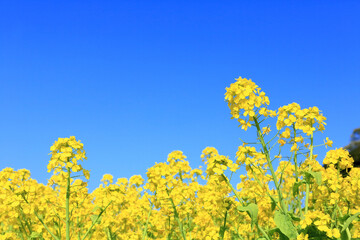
299	139
302	236
282	142
86	174
328	142
303	119
136	180
339	156
107	178
244	95
266	130
286	133
244	124
294	147
333	233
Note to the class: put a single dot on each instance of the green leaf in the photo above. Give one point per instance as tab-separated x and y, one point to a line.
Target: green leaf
94	217
315	175
296	187
222	231
277	230
273	205
349	220
252	209
344	236
284	223
35	235
294	217
272	231
343	218
96	208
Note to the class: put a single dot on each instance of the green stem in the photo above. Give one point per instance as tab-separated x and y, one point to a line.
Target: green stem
88	231
222	228
189	225
67	205
267	155
109	233
144	236
232	188
347	229
25	221
46	227
23	229
79	233
176	215
298	201
262	186
237	196
307	184
338	208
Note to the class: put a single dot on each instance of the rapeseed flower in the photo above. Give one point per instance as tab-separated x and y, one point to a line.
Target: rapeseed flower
173	203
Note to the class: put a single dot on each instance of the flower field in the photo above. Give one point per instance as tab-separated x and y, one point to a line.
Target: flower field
285	194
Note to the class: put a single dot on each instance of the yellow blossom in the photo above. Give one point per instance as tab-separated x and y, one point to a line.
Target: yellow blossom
328	142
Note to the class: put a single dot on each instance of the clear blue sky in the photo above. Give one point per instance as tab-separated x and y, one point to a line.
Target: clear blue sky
135	80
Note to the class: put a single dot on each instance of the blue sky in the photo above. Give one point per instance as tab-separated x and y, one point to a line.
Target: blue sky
135	80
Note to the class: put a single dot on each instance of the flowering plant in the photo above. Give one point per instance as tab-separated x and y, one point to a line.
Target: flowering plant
285	194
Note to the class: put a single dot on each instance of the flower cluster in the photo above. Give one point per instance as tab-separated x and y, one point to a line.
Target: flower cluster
66	152
321	221
249	156
246	98
340	158
307	120
217	163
